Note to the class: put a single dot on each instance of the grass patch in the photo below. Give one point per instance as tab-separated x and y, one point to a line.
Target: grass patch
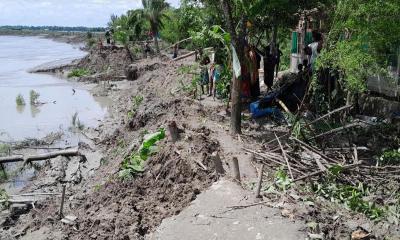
136	101
78	72
20	100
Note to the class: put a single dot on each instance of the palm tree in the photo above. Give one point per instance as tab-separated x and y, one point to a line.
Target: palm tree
154	12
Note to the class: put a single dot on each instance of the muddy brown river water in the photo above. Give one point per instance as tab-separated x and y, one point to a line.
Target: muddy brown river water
17	56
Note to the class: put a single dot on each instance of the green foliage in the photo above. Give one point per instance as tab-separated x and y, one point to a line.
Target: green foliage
352	197
78	72
20	100
171	32
136	101
390	157
4	149
361	34
3	197
134	163
282	180
34	96
223	85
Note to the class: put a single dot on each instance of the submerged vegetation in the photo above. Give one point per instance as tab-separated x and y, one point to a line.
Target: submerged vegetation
20	100
76	123
34	96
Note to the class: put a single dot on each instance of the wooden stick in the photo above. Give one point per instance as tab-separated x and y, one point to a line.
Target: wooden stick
173	131
336	130
44	156
236	170
314	150
201	165
320	172
332	112
259	182
269	159
62	202
181	41
184	56
284	156
217	163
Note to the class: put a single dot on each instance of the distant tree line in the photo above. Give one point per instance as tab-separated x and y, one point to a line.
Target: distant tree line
53	28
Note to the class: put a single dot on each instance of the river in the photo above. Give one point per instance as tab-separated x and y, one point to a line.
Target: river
63	98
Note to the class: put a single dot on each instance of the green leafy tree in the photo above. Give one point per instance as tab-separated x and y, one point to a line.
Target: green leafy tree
361	35
154	11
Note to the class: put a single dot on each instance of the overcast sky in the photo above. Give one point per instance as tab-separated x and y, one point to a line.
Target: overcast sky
89	13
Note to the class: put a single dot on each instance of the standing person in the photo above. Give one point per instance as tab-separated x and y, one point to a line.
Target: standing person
204	76
176	51
254	63
278	55
147	50
108	37
269	67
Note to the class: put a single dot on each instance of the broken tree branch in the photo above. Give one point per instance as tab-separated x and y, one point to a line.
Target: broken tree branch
330	113
323	171
284	156
43	156
339	129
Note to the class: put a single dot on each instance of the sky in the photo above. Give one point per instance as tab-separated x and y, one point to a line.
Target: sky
90	13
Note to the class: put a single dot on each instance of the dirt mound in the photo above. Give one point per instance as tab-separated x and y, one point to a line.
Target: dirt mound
112	61
131	209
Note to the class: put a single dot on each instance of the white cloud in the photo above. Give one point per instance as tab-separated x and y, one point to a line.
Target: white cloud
65	12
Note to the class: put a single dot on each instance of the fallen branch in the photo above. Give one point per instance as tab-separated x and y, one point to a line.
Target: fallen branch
314	150
44	156
323	171
332	112
336	130
284	156
184	56
181	41
246	206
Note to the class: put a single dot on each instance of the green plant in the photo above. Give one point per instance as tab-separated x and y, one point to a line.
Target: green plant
20	100
223	85
76	123
3	198
282	180
4	149
136	101
34	96
390	157
78	72
134	163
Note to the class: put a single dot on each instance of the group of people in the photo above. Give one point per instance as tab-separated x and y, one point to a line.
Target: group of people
210	73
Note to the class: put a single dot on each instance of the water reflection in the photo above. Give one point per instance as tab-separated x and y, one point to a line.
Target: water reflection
34	111
20	109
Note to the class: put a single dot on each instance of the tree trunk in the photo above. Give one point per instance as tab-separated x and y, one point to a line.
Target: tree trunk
237	43
155	32
156	44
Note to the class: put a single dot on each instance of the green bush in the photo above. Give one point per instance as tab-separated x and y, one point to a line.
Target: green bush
34	96
20	100
79	72
390	157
